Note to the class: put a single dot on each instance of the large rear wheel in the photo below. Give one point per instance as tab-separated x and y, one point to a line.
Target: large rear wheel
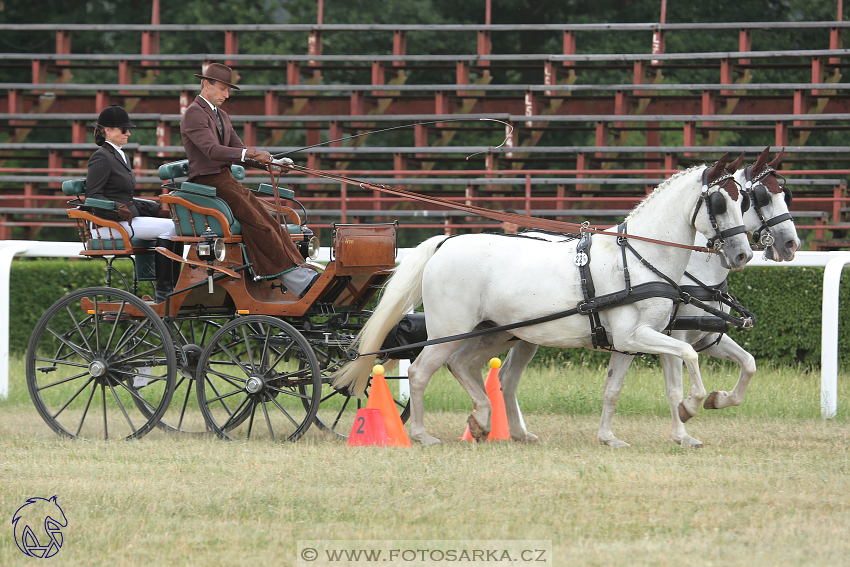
101	365
258	378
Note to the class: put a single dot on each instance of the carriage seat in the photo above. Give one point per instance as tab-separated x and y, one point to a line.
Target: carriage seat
176	169
196	206
119	242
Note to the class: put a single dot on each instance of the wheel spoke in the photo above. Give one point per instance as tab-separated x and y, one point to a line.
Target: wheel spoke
222	396
185	403
71	399
226	377
229	422
284	412
86	410
80	375
115	325
97	339
77	325
60	361
251	419
71	345
123	410
248	350
268	421
289	393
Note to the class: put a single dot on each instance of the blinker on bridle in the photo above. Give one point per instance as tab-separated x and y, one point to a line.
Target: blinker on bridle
757	194
715	204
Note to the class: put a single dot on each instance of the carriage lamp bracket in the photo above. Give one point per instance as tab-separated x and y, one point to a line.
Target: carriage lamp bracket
352	354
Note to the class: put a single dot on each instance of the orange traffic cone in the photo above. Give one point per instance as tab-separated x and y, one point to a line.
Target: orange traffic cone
381	398
498	416
368	429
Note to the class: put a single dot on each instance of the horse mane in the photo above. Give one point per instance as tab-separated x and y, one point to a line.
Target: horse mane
661	186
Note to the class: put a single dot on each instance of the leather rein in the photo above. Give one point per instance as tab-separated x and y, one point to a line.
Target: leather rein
520	220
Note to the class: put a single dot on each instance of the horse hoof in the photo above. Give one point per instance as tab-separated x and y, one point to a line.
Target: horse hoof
683	413
476	430
711	401
614	443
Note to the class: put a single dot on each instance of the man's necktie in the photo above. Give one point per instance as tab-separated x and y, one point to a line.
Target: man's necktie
220	124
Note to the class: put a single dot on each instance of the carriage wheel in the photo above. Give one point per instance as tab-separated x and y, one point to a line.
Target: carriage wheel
191	334
89	371
249	381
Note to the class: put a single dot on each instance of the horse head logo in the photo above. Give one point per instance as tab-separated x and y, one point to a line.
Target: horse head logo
38	527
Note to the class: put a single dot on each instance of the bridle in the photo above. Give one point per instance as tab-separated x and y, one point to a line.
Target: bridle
715	204
759	195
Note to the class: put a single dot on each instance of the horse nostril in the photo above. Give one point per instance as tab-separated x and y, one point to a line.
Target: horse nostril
791	245
742	258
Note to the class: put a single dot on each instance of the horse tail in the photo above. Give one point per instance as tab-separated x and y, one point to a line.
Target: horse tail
402	292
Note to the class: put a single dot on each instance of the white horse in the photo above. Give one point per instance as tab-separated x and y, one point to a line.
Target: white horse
486	280
767	213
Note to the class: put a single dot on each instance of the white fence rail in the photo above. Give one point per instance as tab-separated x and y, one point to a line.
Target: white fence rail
834	262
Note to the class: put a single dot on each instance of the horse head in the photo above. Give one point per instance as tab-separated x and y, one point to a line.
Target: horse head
765	208
717	215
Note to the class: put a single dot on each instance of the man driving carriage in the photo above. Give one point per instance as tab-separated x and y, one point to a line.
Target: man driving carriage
212	146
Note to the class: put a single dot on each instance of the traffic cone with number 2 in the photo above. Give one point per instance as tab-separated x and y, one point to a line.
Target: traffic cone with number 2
499	430
381	401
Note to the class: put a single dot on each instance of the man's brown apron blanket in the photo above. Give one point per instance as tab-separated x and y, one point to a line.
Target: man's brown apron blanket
270	254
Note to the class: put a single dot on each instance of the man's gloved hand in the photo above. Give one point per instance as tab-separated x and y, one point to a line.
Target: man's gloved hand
259	156
124	213
163	213
283	164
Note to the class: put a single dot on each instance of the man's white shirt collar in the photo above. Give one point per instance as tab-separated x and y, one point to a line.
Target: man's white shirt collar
212	106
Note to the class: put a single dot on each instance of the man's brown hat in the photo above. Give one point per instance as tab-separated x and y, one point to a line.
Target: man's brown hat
219	72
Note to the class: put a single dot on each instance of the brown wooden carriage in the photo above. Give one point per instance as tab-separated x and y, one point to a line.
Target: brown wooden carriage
227	351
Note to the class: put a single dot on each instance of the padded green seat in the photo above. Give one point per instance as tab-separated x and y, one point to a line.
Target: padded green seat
267	189
106	243
175	169
203	196
74	187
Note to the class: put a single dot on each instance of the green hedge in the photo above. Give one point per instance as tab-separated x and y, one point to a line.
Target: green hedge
787	302
37	284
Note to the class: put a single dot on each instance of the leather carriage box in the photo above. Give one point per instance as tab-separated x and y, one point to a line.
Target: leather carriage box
364	248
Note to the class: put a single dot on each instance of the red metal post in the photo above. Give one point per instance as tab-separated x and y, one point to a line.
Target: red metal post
817	73
231	47
462	76
529	107
781	138
569	46
727	75
150	39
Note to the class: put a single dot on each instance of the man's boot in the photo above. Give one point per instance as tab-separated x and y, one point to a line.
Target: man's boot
164	271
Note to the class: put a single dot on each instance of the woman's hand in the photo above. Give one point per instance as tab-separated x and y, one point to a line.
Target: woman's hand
163	213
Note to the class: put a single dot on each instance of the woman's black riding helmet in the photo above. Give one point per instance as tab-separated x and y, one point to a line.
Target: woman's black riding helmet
112	116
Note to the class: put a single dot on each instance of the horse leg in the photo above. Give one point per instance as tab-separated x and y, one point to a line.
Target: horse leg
430	359
617	368
509	376
645	339
672	367
465	364
728	349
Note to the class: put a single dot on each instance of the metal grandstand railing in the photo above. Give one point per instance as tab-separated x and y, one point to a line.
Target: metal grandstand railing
606	110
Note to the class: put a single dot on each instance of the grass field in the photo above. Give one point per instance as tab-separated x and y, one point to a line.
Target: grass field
771	487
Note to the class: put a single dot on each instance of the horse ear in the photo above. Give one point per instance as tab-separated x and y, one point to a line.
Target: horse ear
758	166
775	163
718	168
736	165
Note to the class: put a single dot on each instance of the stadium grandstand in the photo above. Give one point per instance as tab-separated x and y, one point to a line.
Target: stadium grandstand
572	134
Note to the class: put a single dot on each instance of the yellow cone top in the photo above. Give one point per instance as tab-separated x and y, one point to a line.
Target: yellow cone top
495	363
377	370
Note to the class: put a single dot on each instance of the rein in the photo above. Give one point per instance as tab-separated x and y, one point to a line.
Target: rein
521	220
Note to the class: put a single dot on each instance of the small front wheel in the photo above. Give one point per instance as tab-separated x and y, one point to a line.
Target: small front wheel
250	381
